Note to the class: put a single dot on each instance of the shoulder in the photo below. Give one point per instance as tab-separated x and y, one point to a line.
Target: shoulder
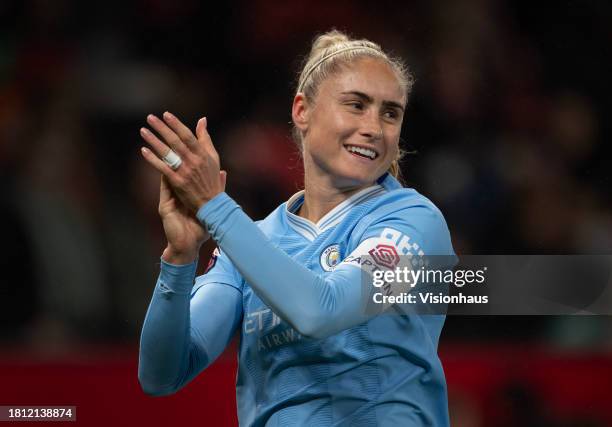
404	211
406	204
275	223
398	197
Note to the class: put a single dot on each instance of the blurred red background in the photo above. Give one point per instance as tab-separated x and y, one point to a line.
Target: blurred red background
499	385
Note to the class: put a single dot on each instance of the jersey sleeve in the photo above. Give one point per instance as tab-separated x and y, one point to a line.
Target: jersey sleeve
316	305
220	270
414	238
186	327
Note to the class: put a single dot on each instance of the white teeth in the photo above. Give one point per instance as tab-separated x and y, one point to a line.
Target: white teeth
363	151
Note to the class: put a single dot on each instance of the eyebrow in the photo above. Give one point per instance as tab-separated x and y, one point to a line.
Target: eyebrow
369	99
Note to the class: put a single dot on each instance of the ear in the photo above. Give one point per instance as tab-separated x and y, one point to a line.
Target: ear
300	112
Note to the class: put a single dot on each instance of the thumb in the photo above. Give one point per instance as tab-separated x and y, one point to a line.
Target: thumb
167	203
165	192
223	175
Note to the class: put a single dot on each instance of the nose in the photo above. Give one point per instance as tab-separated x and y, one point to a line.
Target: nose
371	127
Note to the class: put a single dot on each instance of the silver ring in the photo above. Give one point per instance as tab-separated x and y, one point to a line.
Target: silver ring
172	159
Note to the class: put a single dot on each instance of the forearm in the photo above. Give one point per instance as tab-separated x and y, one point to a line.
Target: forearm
304	299
167	355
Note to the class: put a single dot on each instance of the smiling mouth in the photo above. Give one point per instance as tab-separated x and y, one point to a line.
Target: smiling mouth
366	153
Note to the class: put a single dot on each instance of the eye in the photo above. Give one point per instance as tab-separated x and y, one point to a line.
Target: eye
355	105
391	114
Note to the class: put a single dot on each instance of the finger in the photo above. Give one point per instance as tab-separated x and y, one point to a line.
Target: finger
201	127
202	134
158	164
159	147
183	132
168	135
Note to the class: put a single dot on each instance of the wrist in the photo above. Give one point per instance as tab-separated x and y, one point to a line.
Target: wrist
210	205
173	256
204	200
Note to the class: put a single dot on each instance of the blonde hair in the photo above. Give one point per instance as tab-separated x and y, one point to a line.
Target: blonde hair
329	52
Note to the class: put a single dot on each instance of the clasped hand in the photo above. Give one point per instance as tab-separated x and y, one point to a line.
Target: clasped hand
198	179
183	191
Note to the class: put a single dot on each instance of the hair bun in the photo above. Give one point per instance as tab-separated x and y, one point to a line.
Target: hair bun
328	40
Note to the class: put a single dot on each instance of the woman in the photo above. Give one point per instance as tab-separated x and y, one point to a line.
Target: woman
309	353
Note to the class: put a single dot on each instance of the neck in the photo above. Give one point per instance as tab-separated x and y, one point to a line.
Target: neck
320	197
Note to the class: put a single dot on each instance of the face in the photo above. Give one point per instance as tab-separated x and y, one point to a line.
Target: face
351	133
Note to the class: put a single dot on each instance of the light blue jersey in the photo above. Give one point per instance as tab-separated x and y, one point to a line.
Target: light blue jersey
309	354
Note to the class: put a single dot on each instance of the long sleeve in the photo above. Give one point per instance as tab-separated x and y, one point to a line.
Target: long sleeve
315	305
184	329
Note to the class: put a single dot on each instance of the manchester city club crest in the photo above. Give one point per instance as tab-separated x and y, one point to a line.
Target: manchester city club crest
330	257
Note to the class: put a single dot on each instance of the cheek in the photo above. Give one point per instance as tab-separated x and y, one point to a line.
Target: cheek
393	147
334	121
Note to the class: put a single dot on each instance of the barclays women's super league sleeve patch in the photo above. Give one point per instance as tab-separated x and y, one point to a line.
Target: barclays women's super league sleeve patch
387	251
382	257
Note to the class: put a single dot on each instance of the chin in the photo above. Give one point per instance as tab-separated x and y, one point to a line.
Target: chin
353	180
